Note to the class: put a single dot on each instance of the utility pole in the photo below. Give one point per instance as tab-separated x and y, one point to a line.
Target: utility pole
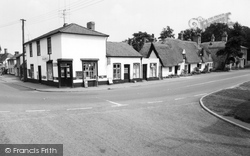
24	63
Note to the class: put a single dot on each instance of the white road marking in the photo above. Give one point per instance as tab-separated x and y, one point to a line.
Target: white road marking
179	98
79	108
200	94
37	110
116	104
4	111
155	102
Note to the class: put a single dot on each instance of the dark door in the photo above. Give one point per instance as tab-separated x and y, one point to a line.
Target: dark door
126	72
66	79
176	69
39	74
144	71
189	68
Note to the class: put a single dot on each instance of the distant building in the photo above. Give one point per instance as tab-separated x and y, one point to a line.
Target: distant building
4	61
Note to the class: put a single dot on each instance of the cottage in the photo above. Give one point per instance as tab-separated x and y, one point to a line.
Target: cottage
123	63
12	67
4	57
176	56
214	46
69	56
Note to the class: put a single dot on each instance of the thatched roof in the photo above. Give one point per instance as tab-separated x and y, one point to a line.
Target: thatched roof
190	47
119	49
170	51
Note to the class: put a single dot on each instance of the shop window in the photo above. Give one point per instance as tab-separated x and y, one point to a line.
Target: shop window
136	70
152	69
50	71
117	71
89	70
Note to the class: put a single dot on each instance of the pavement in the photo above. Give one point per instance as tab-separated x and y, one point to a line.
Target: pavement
45	88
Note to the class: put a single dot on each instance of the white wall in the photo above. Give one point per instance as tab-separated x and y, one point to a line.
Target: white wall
122	61
148	61
81	46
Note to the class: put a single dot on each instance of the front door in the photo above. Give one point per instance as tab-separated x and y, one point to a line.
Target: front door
39	74
65	76
144	70
126	72
176	70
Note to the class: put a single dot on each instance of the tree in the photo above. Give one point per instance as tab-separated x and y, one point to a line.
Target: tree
166	32
233	45
189	34
216	29
139	39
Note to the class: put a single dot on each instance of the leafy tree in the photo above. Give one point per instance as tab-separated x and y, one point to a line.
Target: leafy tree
216	29
166	32
189	34
139	39
233	45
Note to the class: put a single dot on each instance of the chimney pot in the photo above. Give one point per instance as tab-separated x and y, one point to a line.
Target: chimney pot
91	25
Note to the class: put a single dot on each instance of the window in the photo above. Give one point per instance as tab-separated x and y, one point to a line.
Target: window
152	69
38	48
31	73
170	69
117	71
49	45
31	52
50	70
199	66
89	70
136	71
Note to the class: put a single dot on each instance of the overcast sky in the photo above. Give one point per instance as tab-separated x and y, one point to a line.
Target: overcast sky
117	18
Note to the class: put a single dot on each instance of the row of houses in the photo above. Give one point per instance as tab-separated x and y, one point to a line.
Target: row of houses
77	56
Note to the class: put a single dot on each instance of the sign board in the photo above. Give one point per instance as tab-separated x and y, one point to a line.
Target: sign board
202	23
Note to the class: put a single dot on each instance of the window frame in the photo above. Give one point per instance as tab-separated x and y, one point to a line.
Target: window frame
49	45
31	50
136	71
38	48
89	70
116	71
153	69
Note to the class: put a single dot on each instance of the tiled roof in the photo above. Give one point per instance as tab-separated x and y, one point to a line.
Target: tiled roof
71	29
119	49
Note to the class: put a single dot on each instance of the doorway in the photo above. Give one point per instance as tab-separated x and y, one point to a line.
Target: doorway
126	72
144	71
65	73
39	74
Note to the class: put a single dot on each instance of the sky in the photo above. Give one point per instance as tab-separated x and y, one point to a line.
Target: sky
117	18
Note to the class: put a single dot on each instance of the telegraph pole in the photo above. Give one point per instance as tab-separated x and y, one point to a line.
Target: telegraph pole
24	63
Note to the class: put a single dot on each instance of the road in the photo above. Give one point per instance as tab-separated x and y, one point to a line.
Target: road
162	118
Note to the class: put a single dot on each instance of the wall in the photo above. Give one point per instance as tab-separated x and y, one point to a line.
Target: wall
122	61
78	47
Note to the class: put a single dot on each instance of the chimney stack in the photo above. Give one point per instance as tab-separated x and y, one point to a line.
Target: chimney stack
16	52
212	38
197	39
224	36
181	35
91	25
5	50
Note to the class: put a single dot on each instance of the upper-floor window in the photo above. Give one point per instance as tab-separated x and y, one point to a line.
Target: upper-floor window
31	52
38	48
49	45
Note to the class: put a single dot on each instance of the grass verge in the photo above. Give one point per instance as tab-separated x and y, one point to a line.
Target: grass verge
234	102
